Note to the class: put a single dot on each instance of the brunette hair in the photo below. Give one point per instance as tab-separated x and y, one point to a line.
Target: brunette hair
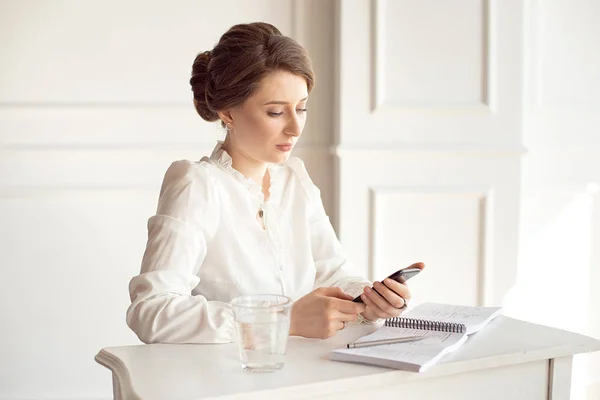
230	73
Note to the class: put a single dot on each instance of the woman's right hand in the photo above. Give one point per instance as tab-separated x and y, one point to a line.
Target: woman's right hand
322	313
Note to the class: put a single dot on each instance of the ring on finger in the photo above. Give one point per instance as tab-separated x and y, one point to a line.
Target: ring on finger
404	305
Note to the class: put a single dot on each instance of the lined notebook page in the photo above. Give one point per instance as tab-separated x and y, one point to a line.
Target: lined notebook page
474	318
411	356
428	346
422	354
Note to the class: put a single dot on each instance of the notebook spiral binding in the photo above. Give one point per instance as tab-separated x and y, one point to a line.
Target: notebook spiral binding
414	323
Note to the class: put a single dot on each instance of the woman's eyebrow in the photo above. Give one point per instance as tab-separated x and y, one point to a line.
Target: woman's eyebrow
283	102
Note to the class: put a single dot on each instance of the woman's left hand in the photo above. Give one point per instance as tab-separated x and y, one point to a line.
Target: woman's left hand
391	300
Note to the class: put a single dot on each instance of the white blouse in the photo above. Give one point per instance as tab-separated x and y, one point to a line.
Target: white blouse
206	247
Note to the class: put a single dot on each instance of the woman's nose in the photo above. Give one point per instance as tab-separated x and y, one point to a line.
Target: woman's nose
294	127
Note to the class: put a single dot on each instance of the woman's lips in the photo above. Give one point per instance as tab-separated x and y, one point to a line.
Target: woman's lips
285	147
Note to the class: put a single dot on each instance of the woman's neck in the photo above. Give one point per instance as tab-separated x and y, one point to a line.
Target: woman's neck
253	169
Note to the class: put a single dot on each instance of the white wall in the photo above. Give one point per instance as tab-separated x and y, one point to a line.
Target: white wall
559	263
430	143
94	105
463	125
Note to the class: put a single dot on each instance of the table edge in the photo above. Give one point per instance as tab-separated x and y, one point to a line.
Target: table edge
119	370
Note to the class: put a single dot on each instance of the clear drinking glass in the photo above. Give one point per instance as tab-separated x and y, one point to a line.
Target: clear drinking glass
262	324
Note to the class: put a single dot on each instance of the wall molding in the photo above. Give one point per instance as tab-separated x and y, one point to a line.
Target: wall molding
67	167
377	33
203	145
484	265
450	148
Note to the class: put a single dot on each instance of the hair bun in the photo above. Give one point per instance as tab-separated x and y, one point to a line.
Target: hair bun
199	82
232	71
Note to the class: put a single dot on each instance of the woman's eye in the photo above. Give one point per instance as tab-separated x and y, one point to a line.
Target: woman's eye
278	114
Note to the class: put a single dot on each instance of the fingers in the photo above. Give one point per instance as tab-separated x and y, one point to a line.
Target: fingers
381	306
419	265
334	328
340	316
341	301
335	292
392	297
344	310
347	307
387	299
336	321
379	313
398	288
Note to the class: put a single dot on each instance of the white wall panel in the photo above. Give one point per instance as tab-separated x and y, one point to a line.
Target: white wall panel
441	73
115	126
438	105
430	54
446	224
489	179
67	257
70	51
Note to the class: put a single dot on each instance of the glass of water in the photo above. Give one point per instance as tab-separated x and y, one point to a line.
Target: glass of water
262	324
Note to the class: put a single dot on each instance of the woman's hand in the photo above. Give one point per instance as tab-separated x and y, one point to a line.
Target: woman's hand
322	313
391	300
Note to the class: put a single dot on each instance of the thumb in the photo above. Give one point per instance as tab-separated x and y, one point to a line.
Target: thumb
337	292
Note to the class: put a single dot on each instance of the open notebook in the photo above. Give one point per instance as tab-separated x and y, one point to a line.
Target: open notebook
444	328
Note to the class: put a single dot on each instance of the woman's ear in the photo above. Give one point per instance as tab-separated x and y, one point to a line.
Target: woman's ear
226	116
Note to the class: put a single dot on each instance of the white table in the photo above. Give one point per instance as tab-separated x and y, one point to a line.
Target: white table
509	359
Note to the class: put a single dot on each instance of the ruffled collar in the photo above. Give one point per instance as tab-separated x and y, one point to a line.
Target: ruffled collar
222	159
272	213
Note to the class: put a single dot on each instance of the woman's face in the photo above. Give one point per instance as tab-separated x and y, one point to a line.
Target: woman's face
268	124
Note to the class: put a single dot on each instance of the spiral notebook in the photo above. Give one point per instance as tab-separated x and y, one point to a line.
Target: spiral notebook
444	327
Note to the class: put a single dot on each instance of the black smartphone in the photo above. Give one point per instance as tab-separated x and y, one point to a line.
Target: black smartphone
402	275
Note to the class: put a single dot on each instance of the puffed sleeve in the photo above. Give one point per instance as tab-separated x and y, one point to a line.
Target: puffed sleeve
162	309
327	251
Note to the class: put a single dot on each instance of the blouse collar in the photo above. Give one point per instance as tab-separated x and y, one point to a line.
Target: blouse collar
222	159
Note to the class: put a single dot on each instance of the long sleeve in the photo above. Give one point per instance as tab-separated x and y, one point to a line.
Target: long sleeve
162	307
328	254
330	257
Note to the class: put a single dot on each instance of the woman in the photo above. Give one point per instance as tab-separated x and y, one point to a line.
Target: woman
248	219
